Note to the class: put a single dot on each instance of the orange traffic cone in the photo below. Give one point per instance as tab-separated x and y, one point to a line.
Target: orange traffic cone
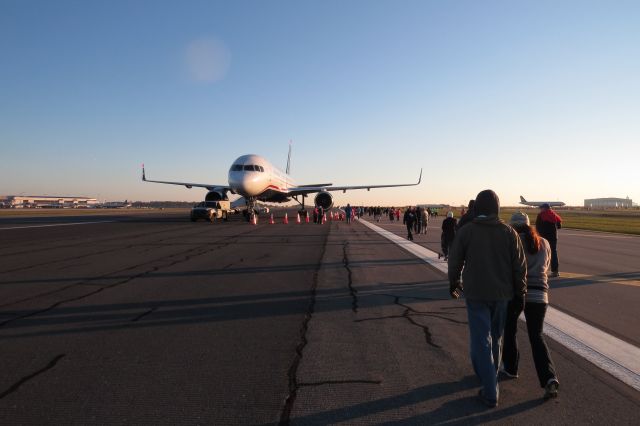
255	219
271	221
298	219
306	218
324	218
286	219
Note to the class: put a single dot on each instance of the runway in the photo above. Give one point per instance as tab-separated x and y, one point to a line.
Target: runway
600	273
152	319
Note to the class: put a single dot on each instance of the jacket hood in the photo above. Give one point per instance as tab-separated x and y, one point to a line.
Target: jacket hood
487	203
488	220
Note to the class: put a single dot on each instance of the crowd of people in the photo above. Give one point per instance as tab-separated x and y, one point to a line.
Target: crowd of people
503	270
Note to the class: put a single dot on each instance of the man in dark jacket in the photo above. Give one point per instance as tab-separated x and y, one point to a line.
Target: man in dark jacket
417	225
547	224
409	219
468	216
448	233
495	271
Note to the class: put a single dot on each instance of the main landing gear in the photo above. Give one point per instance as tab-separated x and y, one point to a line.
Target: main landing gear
303	212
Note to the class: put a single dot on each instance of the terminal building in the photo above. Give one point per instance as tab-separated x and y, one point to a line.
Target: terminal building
609	203
46	201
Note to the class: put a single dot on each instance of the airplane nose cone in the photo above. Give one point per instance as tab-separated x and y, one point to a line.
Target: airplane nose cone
244	183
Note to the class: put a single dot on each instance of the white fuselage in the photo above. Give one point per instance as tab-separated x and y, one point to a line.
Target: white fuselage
254	176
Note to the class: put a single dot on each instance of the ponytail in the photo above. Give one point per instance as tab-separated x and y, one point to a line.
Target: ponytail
531	241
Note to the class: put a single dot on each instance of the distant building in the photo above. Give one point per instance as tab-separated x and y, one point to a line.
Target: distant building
45	201
609	203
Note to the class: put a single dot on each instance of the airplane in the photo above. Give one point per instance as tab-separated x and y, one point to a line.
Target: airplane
540	203
115	205
256	179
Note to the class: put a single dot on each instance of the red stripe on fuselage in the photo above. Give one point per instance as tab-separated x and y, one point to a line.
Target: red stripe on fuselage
273	187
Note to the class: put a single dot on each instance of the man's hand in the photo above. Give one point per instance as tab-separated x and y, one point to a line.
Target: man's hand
455	289
518	302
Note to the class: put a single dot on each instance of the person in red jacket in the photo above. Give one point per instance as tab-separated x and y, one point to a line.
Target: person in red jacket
547	224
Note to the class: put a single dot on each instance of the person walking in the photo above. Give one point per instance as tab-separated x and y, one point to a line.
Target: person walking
409	219
348	212
538	255
398	215
547	224
417	227
448	234
425	220
468	216
487	262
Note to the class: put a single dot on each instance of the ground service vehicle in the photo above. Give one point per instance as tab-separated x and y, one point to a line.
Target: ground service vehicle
211	211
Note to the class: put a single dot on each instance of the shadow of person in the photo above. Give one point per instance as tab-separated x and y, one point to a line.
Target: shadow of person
465	411
364	409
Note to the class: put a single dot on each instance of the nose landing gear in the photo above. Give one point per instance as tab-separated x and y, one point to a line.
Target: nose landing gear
251	211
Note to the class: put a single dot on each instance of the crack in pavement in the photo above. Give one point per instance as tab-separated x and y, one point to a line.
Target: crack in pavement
96	253
14	387
409	313
294	385
340	382
188	255
144	314
352	291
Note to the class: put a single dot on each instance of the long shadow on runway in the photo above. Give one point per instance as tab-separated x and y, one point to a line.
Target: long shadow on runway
597	279
425	393
97	318
221	272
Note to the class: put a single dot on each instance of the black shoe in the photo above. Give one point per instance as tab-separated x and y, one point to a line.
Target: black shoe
503	371
488	402
551	389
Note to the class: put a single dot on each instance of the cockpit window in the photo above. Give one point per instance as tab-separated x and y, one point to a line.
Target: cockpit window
248	168
261	168
236	167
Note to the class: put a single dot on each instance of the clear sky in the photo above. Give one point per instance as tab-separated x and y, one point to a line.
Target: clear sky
539	98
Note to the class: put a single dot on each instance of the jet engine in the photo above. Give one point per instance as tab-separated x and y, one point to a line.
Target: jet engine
324	199
215	196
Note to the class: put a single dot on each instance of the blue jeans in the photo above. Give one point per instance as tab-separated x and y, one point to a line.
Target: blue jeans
486	330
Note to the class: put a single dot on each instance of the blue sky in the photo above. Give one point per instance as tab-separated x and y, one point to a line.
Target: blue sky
538	98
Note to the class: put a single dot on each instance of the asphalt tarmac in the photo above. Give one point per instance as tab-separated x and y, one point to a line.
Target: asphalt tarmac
152	319
599	279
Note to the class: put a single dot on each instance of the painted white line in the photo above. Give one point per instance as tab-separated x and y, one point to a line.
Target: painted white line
615	356
57	224
595	234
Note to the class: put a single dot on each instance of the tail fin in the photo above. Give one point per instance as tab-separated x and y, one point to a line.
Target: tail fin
522	199
289	159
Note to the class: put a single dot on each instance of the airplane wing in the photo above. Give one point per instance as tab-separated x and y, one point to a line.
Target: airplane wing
302	190
210	187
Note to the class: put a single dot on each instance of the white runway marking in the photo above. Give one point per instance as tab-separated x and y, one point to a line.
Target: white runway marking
57	224
615	356
593	234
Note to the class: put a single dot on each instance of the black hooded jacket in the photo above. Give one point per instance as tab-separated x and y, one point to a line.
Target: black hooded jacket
491	253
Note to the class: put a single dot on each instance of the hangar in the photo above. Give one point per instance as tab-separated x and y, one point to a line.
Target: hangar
608	203
46	201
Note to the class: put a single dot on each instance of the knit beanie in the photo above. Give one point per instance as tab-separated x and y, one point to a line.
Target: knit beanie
519	218
487	203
